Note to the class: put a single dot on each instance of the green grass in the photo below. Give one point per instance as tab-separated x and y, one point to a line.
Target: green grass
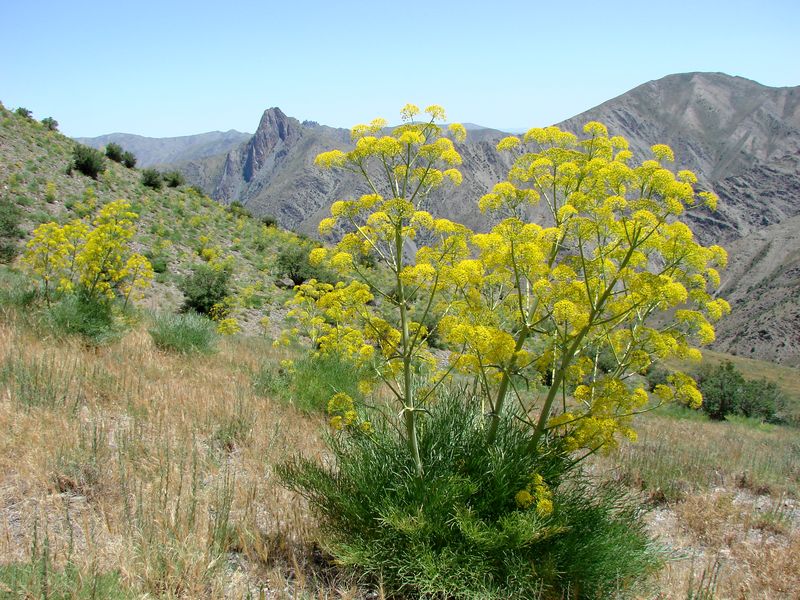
39	579
186	333
309	383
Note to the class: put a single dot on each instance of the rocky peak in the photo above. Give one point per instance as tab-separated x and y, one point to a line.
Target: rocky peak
275	130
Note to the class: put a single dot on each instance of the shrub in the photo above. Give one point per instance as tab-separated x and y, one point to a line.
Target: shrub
186	333
151	178
292	262
204	287
87	160
24	113
238	209
50	124
10	231
114	152
158	262
269	221
128	159
726	392
83	316
174	179
470	528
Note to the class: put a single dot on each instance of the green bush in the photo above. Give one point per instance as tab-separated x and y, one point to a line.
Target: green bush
174	179
128	159
114	152
90	318
186	333
87	160
458	532
50	124
158	262
269	221
237	209
151	178
24	113
204	287
727	392
292	262
9	229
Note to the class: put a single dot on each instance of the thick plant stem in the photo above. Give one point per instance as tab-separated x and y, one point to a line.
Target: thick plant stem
409	412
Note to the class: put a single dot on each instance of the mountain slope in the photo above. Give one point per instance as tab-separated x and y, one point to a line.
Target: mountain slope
160	151
741	138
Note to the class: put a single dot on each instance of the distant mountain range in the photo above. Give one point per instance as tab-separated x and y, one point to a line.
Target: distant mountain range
740	137
164	151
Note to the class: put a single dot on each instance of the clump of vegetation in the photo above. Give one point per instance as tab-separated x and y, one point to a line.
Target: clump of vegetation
128	159
24	113
87	160
309	382
205	287
480	494
269	221
293	262
726	392
86	268
50	124
238	209
186	333
114	152
10	231
174	179
151	178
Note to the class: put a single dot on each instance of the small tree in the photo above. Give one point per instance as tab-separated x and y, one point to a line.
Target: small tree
114	152
151	178
87	160
24	113
205	287
50	124
128	159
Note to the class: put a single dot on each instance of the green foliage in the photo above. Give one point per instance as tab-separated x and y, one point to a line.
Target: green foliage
727	392
204	287
39	578
269	221
174	179
50	124
114	152
308	383
24	113
128	159
292	261
9	229
151	178
158	262
237	209
186	333
88	317
459	531
87	160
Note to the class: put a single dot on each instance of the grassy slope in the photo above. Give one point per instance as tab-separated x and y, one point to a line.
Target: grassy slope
172	224
156	470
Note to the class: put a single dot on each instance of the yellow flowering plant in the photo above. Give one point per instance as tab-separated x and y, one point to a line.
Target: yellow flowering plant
96	260
524	302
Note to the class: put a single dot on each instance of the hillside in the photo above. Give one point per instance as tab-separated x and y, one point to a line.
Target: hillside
151	151
179	227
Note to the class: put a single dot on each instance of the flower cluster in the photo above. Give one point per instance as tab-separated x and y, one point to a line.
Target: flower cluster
536	495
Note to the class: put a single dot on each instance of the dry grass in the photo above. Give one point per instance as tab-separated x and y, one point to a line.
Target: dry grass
160	468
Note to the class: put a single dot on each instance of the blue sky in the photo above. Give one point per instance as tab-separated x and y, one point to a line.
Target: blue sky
177	68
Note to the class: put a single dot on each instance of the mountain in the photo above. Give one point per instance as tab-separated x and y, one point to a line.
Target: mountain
740	137
161	151
274	173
